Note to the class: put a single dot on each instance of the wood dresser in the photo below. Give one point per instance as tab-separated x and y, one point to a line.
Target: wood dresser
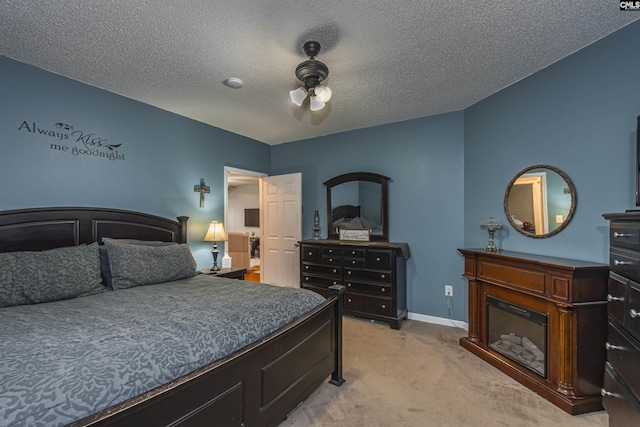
568	299
621	388
374	274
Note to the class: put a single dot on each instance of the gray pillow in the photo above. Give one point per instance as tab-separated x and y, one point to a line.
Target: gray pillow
105	264
44	276
136	265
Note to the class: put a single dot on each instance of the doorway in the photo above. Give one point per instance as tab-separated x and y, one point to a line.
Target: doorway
242	202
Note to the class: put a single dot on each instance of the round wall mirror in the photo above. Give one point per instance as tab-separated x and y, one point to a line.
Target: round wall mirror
540	201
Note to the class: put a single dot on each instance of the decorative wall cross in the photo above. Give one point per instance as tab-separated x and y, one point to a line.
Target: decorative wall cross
202	189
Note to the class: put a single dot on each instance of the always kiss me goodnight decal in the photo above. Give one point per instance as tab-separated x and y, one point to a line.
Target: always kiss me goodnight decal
75	141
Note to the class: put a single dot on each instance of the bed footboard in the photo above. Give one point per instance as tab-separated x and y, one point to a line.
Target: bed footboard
257	386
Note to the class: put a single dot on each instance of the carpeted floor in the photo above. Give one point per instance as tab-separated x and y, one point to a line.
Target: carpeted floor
420	376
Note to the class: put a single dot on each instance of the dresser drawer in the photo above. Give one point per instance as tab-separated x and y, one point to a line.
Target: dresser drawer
331	260
332	251
625	234
354	252
310	253
369	288
625	262
379	259
367	275
623	354
355	262
368	304
633	311
323	282
616	307
326	270
622	408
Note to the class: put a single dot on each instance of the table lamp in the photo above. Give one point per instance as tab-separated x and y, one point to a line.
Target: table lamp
215	234
491	225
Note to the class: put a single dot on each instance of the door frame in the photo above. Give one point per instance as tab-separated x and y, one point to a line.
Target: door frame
228	169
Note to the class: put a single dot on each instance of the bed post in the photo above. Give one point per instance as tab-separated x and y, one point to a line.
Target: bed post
183	229
336	376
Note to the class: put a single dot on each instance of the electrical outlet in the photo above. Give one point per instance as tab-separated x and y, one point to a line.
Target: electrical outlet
448	290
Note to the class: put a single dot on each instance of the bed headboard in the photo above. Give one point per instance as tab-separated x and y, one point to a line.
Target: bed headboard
47	228
345	211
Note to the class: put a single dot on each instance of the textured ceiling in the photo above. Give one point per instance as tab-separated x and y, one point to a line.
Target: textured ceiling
389	60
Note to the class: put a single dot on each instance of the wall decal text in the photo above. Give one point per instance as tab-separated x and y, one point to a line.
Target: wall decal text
87	144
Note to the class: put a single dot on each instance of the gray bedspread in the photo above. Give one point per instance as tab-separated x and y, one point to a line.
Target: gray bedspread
65	360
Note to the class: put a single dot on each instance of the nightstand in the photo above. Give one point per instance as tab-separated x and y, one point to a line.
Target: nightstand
231	273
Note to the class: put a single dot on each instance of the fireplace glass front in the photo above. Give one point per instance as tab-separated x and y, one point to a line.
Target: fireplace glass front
518	333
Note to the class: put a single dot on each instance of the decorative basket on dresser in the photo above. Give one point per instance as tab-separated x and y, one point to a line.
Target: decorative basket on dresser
621	390
374	274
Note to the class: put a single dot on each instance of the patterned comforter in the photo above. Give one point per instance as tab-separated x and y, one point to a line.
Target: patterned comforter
65	360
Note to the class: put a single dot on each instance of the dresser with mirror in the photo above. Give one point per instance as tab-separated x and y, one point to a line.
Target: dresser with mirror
374	270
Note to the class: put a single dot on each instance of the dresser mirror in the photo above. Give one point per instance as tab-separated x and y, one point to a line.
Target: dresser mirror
358	200
540	201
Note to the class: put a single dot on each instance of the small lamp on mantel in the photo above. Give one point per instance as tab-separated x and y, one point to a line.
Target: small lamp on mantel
491	225
215	234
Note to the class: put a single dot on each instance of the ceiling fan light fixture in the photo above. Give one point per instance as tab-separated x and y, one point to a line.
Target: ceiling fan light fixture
298	95
316	104
323	93
311	73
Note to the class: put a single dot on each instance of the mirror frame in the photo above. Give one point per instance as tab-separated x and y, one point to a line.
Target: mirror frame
384	205
572	191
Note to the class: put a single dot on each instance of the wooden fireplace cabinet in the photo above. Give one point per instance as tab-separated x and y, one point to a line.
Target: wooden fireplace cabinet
573	295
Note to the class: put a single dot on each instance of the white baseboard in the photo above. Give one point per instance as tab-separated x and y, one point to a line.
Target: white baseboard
439	320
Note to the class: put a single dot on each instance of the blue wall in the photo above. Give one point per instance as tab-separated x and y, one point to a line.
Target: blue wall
449	172
164	155
424	159
578	115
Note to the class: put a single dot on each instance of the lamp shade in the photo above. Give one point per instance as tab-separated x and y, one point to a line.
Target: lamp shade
492	224
215	233
316	104
323	93
298	95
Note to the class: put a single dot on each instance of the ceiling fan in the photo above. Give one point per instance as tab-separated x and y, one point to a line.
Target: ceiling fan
311	72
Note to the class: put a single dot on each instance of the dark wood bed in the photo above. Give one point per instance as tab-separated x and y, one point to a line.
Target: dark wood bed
258	385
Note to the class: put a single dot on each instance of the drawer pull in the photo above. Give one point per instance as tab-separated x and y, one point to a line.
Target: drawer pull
616	234
330	259
382	276
378	259
335	271
353	262
353	252
335	283
384	306
306	267
604	393
384	290
634	314
616	262
612	347
330	251
612	298
349	272
348	285
306	278
349	300
310	253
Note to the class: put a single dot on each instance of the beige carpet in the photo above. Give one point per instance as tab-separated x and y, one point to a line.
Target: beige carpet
420	376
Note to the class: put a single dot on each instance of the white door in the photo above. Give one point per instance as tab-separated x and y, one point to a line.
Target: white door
280	229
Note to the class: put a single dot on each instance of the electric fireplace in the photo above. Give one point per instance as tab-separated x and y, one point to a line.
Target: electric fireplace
518	333
541	320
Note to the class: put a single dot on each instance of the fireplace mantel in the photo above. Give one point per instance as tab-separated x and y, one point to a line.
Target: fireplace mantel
573	296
